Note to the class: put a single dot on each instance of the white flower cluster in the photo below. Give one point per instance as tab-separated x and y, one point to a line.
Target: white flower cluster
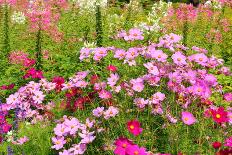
90	5
214	4
18	17
158	11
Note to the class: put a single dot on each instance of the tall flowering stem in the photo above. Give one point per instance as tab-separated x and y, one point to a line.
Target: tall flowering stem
6	41
99	26
39	50
185	31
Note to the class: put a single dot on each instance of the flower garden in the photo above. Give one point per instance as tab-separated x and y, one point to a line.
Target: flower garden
105	77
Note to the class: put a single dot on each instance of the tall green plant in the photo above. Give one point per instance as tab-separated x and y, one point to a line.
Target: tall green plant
6	38
99	31
39	49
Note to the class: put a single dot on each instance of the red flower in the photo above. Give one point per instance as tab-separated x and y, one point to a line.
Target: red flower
112	68
59	81
219	115
94	79
134	127
216	145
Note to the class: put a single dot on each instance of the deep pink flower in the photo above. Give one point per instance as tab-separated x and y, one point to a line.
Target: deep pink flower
111	68
219	115
188	118
228	142
121	145
135	150
134	127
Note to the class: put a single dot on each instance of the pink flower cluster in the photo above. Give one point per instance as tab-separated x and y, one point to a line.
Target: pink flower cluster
28	100
4	125
132	35
70	128
21	58
110	112
33	73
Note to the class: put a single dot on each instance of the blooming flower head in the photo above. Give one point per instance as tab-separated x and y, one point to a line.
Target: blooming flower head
121	145
158	97
111	68
136	150
104	94
179	58
228	142
152	69
134	34
140	102
159	55
58	142
134	127
219	115
188	118
119	54
111	112
98	112
228	97
112	80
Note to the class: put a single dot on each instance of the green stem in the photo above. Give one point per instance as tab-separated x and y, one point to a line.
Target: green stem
99	26
6	41
39	50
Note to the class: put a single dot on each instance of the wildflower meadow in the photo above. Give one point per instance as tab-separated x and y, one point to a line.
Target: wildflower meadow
115	77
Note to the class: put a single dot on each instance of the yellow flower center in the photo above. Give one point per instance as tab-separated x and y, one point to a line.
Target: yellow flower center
218	116
178	59
132	127
136	152
124	145
186	118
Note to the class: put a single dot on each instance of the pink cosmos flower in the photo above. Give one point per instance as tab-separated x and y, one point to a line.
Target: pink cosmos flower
158	97
78	148
151	68
38	97
111	112
132	53
229	115
87	137
227	97
179	58
22	140
134	34
112	80
140	102
201	59
100	86
188	118
119	54
85	53
136	150
121	145
65	152
134	127
98	112
81	84
58	142
72	125
61	130
228	142
104	94
159	55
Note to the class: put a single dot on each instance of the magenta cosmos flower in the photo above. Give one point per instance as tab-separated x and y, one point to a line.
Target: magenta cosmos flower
228	142
134	127
121	145
228	97
188	118
136	150
179	58
104	94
